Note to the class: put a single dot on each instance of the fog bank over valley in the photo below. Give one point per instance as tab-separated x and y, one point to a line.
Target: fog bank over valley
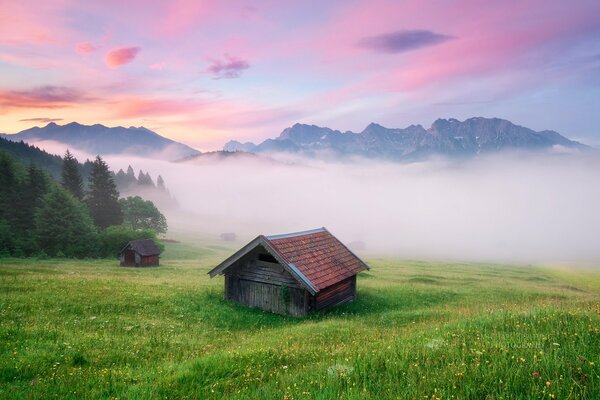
518	207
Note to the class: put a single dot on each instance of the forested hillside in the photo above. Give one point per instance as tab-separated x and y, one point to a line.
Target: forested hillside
48	208
127	183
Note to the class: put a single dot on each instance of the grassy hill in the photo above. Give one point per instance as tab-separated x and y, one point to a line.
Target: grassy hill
90	329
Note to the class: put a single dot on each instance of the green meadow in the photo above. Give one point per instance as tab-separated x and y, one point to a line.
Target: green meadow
418	330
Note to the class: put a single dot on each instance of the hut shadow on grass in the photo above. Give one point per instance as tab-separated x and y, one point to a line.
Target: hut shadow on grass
394	304
391	302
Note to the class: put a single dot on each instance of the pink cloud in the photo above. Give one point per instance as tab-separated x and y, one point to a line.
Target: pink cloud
517	38
41	119
121	56
85	48
41	97
137	107
230	68
157	66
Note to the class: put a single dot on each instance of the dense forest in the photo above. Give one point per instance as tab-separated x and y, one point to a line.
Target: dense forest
49	208
127	182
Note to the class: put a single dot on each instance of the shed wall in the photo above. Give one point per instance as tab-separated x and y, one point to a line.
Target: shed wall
342	292
147	261
265	285
129	258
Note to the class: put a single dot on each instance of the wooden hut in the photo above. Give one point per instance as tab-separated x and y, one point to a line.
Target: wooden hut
140	253
295	273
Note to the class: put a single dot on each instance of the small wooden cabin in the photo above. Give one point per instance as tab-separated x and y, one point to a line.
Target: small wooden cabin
140	253
295	273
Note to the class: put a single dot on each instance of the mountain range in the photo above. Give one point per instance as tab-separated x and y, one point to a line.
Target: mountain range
99	139
447	137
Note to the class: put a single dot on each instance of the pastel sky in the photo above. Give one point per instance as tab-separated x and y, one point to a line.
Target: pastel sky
204	72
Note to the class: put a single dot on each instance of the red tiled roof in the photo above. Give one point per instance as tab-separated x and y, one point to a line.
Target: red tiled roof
318	255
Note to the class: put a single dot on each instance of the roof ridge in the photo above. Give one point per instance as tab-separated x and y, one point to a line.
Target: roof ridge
294	234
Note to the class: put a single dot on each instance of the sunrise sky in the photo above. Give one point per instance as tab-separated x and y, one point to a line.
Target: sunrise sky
204	72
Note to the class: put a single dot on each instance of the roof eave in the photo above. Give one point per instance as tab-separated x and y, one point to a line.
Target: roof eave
291	268
262	240
350	251
219	269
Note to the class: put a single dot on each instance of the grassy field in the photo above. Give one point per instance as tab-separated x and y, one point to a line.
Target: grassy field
90	329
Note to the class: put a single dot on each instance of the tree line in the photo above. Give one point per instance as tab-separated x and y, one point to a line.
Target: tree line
42	217
53	165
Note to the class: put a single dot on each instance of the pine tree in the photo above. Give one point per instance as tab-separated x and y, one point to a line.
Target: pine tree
34	187
124	180
121	179
31	190
160	183
9	193
63	225
71	178
145	179
103	197
131	175
8	187
149	180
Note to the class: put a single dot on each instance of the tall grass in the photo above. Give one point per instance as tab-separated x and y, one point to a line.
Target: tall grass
91	329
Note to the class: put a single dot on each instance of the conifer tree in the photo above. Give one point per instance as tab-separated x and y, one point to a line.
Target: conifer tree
63	225
145	179
121	179
130	174
103	197
71	178
33	187
149	180
160	183
8	187
124	180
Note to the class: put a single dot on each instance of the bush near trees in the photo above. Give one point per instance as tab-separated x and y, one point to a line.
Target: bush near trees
114	238
142	214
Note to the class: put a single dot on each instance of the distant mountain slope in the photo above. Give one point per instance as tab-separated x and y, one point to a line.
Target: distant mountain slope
448	137
27	154
99	139
127	183
220	155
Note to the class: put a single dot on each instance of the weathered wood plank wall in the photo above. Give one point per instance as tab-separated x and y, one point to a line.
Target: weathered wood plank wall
255	282
339	293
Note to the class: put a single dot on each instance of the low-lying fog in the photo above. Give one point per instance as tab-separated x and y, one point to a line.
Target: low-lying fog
524	208
517	207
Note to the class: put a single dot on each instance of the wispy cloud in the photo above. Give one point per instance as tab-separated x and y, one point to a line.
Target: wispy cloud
85	48
229	68
403	41
45	120
41	97
124	55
